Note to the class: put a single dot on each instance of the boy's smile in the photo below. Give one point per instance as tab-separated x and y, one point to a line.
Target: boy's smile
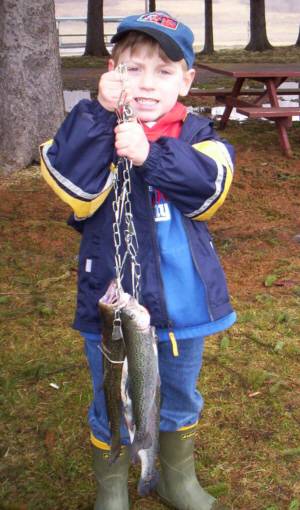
155	83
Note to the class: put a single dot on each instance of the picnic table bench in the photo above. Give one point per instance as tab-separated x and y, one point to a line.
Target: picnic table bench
220	93
271	76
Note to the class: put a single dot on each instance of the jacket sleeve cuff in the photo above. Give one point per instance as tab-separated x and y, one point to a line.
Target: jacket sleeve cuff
99	113
151	163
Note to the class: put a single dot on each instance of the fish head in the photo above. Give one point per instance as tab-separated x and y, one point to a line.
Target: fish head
113	298
136	315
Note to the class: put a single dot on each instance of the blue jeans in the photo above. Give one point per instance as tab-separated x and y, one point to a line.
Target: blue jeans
181	402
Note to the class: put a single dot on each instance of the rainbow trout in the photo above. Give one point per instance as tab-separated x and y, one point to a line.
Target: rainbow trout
113	357
149	475
141	390
139	386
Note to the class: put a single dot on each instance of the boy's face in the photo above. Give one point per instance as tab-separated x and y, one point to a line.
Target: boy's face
155	83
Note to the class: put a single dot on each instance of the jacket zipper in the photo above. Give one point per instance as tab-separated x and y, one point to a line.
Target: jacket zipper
197	267
171	333
156	251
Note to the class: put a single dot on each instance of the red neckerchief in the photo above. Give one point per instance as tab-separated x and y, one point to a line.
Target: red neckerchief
169	124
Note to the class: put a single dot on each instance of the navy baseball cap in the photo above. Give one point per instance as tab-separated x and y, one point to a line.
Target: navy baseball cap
175	38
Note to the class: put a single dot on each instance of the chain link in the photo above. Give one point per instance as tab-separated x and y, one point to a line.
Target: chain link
130	234
122	207
117	329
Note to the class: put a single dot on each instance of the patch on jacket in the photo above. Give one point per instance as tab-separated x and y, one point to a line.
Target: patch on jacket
161	210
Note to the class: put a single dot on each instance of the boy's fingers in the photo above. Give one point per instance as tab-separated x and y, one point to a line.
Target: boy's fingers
126	127
113	76
121	141
121	135
121	147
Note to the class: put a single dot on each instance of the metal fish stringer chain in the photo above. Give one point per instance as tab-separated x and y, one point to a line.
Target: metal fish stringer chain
122	206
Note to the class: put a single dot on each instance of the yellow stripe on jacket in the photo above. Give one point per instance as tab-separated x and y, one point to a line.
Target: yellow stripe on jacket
219	154
82	208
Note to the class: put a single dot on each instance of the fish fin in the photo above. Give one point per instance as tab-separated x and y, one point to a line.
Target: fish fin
140	443
147	485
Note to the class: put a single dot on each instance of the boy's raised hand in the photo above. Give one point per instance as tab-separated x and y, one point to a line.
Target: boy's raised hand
110	88
131	142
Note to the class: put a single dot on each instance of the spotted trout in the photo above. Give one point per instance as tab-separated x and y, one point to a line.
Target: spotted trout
149	475
139	385
113	350
141	390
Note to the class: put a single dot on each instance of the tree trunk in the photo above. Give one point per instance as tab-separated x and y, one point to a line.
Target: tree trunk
298	40
209	34
152	5
32	105
258	33
95	45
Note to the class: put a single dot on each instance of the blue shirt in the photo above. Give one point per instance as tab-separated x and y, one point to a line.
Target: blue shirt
185	293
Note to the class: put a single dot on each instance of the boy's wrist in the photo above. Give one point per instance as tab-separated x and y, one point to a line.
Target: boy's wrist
152	159
104	104
142	157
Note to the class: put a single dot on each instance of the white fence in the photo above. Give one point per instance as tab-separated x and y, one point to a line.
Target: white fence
72	32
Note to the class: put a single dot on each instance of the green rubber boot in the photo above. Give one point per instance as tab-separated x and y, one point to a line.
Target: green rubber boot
178	485
112	493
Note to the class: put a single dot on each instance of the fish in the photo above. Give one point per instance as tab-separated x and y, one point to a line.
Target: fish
133	387
113	349
149	476
141	390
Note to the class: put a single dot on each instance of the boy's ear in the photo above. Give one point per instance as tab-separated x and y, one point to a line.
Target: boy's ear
187	81
111	64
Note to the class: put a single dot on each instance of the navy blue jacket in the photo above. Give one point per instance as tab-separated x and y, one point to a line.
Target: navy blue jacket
194	172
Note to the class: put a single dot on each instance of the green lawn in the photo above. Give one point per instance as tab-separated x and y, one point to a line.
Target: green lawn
248	444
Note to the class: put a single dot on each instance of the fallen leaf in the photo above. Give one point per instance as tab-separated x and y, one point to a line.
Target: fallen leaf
286	283
54	385
50	439
254	394
224	344
270	280
279	346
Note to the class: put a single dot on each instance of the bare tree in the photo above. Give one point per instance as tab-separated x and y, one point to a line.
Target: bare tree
258	32
209	34
298	40
31	99
152	5
95	44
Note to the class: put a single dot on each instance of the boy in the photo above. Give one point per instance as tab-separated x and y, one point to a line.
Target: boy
181	174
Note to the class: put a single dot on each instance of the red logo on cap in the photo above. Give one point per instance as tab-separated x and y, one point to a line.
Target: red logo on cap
160	18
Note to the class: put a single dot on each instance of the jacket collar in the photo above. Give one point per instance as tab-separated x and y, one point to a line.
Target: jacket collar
192	125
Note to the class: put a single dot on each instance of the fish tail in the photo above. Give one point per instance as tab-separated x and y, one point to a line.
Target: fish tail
115	452
148	484
140	442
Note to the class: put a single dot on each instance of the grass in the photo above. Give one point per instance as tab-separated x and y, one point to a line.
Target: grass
248	442
279	54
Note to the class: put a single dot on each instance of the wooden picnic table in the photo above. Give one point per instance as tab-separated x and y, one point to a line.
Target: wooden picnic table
271	76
